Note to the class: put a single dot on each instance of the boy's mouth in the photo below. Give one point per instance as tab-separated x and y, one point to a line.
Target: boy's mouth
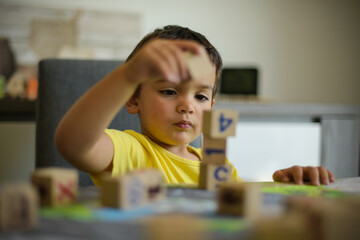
184	124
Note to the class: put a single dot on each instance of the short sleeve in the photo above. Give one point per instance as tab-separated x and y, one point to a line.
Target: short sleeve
129	154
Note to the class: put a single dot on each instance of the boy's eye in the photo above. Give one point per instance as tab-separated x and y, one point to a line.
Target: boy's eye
168	92
201	97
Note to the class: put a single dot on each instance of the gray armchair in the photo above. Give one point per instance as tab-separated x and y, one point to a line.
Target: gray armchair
61	83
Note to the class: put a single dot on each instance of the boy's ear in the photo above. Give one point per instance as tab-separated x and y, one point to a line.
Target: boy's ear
132	105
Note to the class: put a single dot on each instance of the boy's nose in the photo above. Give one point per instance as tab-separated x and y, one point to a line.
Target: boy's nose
185	106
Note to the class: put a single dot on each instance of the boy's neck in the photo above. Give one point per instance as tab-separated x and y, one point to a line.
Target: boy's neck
181	151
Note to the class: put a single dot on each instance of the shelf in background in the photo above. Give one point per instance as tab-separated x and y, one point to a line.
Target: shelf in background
17	110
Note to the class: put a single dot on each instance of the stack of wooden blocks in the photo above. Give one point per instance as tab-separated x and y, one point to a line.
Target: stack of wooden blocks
218	124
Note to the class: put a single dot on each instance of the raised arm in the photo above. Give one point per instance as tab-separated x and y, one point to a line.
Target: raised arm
80	136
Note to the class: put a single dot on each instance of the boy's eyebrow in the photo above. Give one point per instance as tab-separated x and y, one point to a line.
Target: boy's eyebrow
206	87
202	86
161	81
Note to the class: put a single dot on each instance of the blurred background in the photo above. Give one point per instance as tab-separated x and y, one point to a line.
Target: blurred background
305	51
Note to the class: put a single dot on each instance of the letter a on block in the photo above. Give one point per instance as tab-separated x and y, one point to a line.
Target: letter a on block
219	123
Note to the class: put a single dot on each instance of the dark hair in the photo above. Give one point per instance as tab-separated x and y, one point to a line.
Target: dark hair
178	32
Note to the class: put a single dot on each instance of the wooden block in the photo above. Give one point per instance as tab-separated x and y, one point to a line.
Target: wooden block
211	175
153	180
342	220
135	189
231	198
56	186
312	210
243	199
123	192
289	226
199	66
214	150
327	218
18	207
219	123
253	201
175	227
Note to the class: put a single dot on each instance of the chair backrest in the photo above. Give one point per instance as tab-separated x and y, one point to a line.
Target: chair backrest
61	83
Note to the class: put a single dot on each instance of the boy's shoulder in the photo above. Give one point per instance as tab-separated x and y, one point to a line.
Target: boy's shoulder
125	133
126	136
130	138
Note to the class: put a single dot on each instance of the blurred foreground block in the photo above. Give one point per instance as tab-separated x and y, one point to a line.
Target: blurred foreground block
18	207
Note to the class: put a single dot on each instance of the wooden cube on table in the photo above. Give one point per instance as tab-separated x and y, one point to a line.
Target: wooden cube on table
211	175
18	207
153	179
123	192
327	218
231	199
220	123
56	186
242	199
287	226
175	227
134	189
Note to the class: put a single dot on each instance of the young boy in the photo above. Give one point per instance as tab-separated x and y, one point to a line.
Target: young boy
154	83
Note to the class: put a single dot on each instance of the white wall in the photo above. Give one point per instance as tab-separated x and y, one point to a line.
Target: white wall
306	50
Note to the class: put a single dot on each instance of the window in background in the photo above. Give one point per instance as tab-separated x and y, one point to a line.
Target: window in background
259	148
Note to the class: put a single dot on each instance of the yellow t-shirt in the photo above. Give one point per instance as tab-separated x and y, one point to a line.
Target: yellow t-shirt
133	150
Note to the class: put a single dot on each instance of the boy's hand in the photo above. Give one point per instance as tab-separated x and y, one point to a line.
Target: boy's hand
298	174
162	59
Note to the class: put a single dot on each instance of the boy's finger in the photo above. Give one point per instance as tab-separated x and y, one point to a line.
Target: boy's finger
180	60
280	176
331	176
313	174
162	68
297	173
168	57
324	176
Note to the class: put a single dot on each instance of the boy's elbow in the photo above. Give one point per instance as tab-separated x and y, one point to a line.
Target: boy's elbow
65	146
72	151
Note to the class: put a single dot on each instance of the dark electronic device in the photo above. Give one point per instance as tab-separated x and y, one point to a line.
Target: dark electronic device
239	81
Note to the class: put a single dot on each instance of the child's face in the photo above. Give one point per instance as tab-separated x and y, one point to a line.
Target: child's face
171	114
